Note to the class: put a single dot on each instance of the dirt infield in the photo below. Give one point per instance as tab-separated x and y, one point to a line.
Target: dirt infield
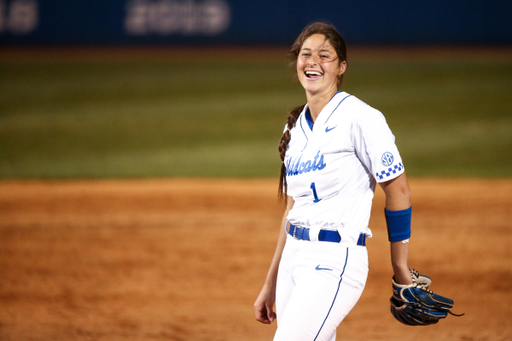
185	259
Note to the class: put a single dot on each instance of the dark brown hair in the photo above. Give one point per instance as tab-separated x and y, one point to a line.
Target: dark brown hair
337	42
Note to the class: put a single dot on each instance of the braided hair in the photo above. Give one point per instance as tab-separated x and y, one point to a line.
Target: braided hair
283	147
337	42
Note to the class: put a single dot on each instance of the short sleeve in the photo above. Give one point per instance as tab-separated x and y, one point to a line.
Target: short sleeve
375	145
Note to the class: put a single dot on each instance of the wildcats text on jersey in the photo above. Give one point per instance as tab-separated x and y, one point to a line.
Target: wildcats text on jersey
295	166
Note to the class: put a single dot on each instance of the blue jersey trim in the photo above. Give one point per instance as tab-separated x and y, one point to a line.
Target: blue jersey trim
337	107
335	296
309	119
390	171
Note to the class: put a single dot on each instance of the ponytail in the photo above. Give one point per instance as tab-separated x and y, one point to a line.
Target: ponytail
283	147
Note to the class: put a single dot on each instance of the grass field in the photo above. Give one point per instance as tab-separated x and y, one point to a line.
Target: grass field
86	113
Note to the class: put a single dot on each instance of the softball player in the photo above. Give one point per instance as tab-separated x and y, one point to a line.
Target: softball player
335	149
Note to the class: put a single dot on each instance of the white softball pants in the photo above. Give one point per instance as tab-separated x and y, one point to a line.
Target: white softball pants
318	284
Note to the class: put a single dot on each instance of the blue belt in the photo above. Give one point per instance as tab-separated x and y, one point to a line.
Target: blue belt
302	233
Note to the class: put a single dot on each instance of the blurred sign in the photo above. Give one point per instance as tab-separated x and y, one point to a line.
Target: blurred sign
19	16
252	21
167	17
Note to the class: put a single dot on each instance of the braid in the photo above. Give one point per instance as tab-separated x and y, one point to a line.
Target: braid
283	147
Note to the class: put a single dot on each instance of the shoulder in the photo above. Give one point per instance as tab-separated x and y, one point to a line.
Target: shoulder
359	107
355	109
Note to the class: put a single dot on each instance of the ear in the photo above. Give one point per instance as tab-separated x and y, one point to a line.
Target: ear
343	68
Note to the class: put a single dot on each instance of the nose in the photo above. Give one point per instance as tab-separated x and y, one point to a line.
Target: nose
312	60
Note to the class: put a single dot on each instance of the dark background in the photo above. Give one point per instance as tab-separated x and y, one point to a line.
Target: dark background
229	22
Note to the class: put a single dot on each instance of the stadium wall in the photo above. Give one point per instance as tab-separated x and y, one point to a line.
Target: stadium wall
230	22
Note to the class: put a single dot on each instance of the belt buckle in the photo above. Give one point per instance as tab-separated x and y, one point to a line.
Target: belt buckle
295	232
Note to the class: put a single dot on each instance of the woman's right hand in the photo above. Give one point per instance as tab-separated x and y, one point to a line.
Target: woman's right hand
264	305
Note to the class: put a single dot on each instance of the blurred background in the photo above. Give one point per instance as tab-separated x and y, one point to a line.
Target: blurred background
137	94
158	88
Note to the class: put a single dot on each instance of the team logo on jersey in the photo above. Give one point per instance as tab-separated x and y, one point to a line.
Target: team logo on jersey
327	129
297	166
387	159
320	268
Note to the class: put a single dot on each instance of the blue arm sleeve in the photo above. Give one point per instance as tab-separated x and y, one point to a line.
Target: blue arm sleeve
398	224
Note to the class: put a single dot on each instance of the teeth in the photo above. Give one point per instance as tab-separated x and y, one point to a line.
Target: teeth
313	73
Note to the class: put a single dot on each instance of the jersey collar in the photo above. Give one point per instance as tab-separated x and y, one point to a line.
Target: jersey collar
308	112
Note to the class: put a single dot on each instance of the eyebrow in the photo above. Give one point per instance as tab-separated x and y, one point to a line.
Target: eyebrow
321	50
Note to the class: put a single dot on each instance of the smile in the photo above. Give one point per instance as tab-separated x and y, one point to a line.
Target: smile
312	74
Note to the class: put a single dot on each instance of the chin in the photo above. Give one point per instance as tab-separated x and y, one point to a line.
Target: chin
312	89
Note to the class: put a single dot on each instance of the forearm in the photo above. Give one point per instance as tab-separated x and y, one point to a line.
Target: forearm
399	254
274	265
264	305
398	200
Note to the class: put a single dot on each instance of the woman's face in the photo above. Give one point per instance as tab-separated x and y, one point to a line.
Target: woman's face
318	66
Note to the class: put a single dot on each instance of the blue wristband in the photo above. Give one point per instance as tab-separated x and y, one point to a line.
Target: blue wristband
399	224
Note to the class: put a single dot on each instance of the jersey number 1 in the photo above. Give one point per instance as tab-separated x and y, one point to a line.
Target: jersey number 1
313	188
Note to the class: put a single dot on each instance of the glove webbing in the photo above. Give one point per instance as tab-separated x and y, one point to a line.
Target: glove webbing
421	305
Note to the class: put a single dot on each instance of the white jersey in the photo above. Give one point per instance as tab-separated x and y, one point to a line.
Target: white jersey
332	167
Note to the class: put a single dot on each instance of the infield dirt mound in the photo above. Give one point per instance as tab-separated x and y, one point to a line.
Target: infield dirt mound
184	259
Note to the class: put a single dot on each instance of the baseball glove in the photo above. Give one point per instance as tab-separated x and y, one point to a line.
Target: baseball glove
416	305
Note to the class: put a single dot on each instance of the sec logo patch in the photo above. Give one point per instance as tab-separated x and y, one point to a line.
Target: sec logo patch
387	159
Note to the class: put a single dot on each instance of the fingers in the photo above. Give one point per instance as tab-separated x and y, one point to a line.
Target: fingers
264	306
270	312
271	315
263	320
261	315
264	314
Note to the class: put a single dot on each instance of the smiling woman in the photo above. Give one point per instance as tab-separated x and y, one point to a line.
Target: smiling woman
334	150
319	71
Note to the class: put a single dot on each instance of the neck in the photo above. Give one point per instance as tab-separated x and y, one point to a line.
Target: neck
316	102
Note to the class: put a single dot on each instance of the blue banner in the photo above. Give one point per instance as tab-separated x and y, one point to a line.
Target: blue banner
26	22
